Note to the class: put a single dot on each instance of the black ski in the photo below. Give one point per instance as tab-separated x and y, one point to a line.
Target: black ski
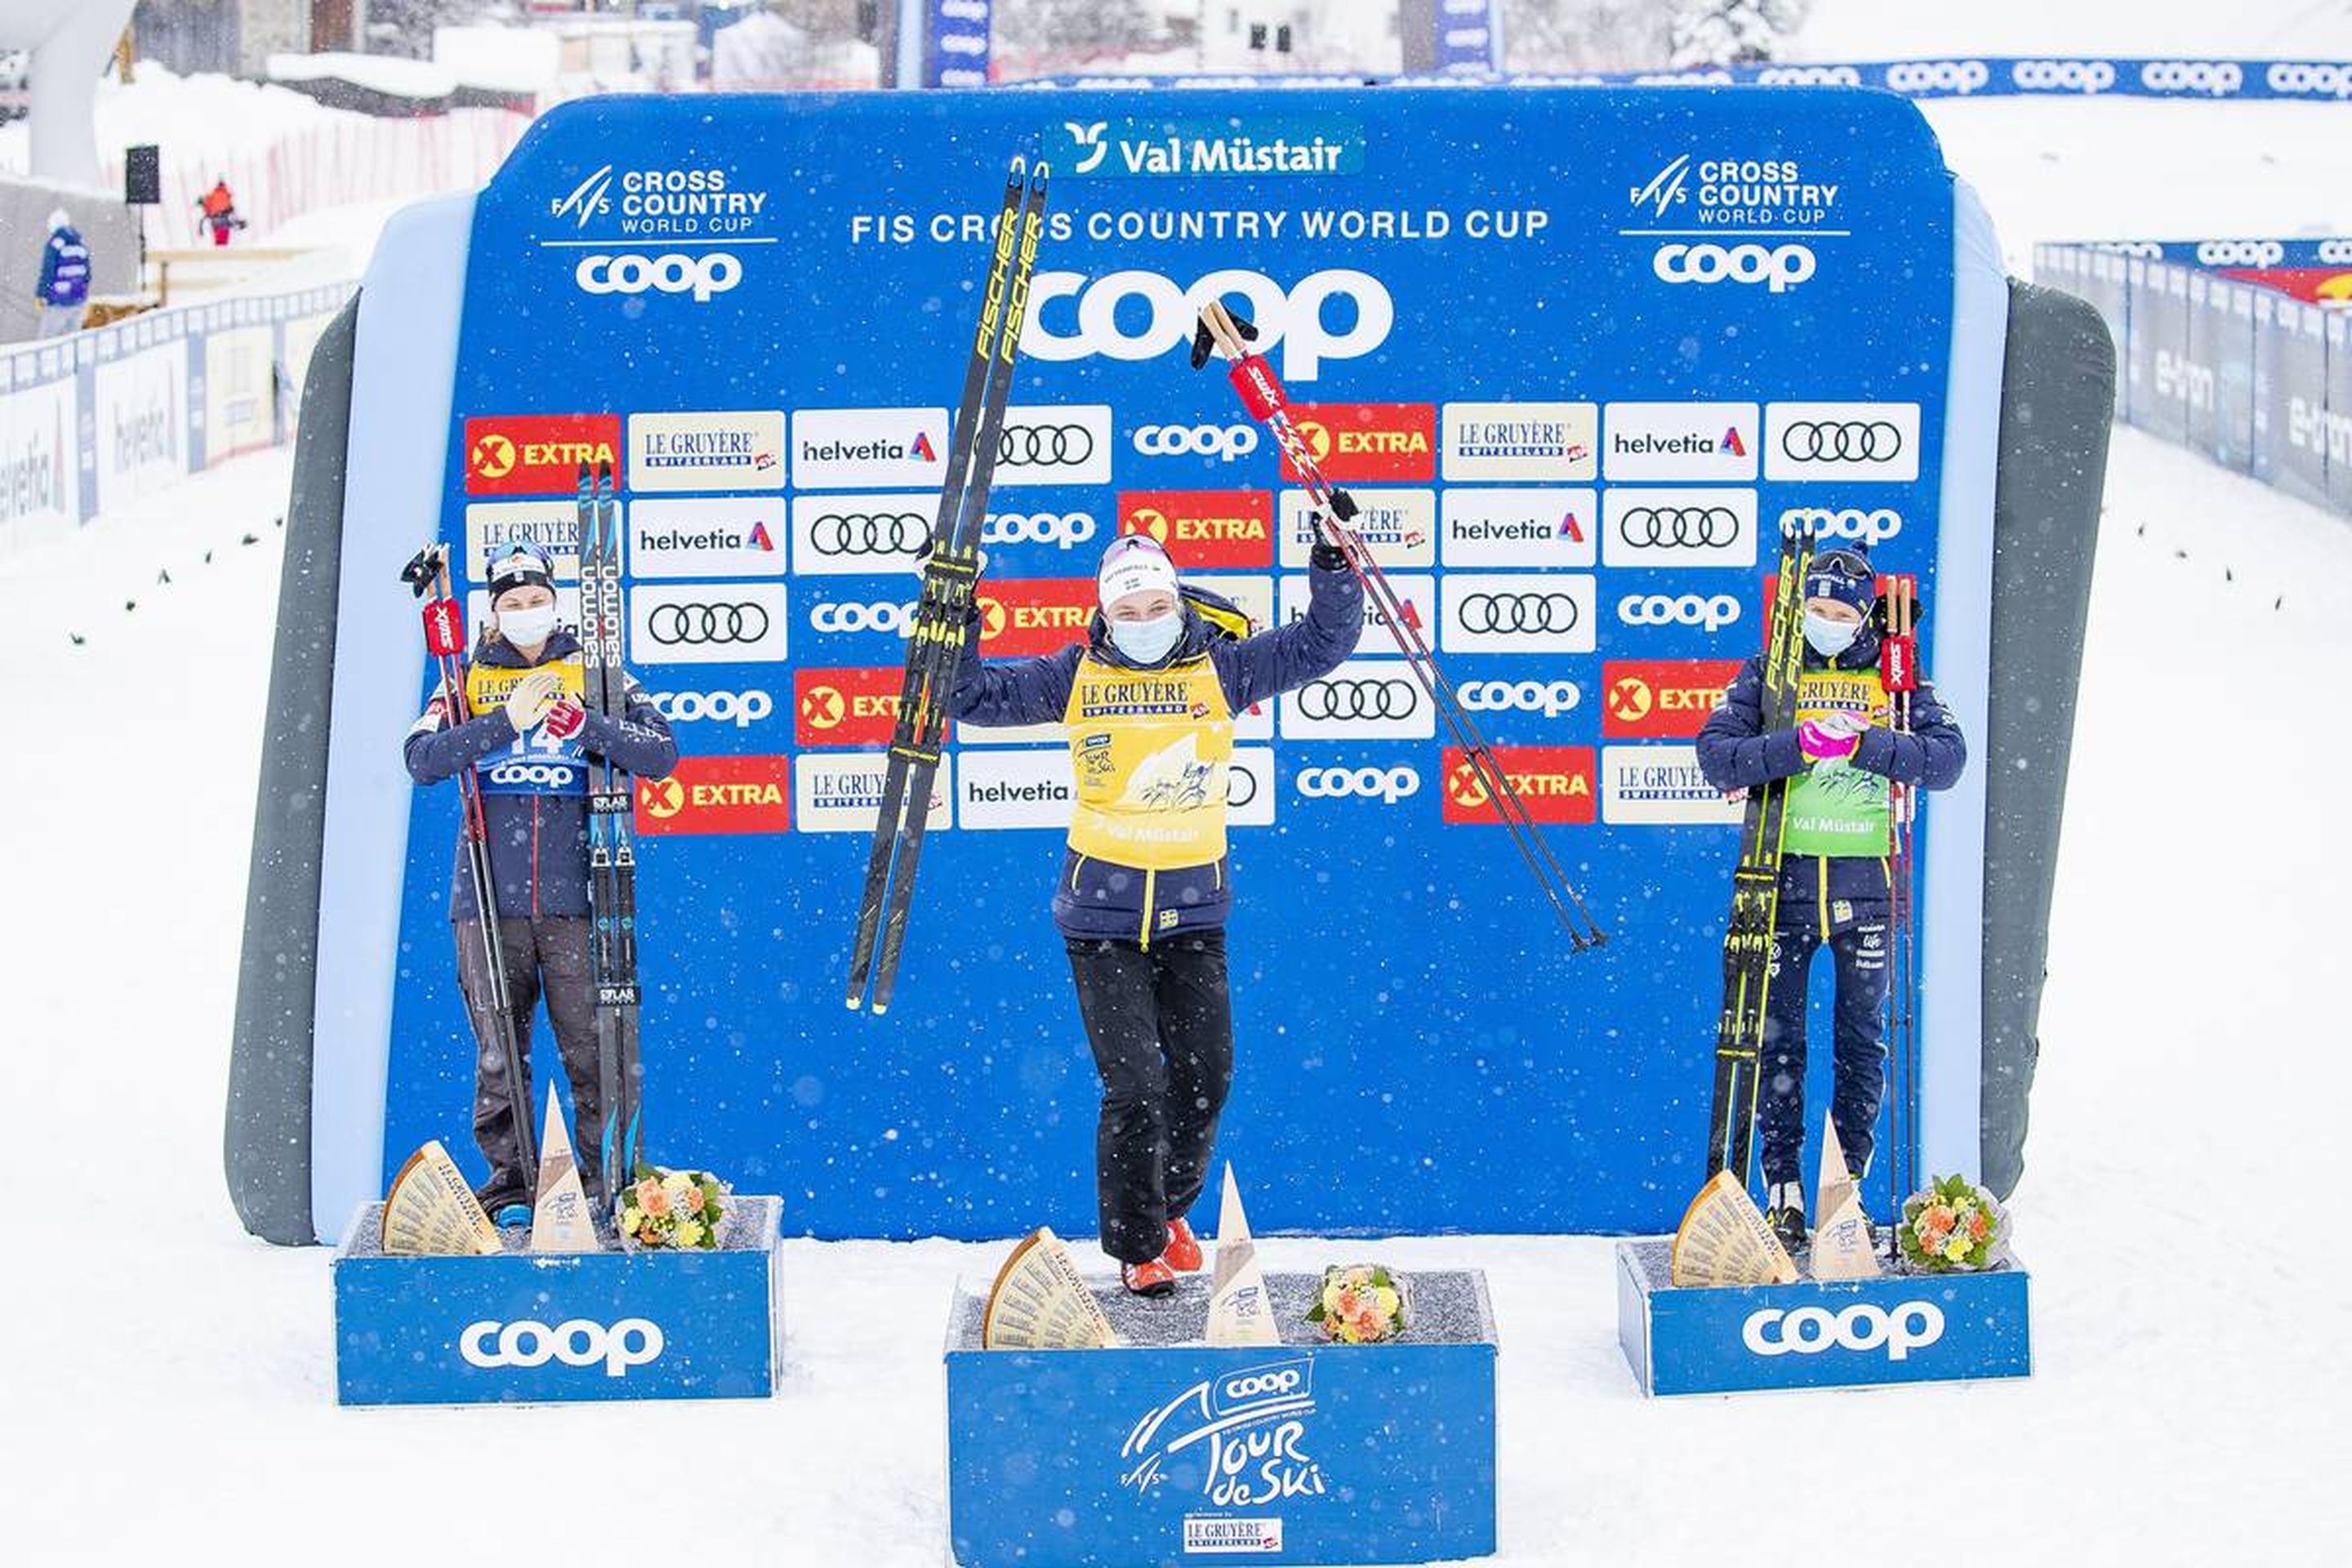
612	842
935	644
1756	885
445	639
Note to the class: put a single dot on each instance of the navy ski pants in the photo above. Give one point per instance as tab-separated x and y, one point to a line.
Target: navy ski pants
1858	946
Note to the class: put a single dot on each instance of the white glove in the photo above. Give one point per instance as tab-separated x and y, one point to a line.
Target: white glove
1842	723
532	696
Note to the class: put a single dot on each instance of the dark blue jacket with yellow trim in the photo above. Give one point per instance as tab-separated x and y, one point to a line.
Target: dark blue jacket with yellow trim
1094	898
1735	752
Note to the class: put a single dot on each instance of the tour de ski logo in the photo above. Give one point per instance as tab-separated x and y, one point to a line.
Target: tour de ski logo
1244	1433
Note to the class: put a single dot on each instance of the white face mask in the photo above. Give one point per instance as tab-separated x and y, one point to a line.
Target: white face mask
527	628
1828	638
1148	642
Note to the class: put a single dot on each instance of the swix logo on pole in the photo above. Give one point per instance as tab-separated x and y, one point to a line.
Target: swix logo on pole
538	453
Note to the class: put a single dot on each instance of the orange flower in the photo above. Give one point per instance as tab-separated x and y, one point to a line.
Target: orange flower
694	1200
652	1199
1349	1302
1978	1224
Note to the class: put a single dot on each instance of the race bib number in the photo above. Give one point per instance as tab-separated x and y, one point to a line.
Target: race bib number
537	763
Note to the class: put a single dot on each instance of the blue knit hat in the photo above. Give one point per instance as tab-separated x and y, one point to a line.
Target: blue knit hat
1846	575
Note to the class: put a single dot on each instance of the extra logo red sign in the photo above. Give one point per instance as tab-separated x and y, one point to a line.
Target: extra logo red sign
538	453
1368	441
718	795
1033	616
1662	700
1556	783
846	706
1204	530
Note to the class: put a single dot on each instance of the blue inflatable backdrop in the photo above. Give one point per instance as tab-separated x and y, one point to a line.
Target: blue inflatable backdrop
1581	354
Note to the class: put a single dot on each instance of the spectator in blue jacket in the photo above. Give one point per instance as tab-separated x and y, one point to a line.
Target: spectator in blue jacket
528	742
64	289
1836	881
1148	701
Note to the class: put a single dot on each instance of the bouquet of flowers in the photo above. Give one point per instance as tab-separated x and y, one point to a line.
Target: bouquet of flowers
1953	1226
671	1208
1361	1304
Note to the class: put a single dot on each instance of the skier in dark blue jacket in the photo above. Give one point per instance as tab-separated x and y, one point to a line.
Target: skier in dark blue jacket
529	743
1148	701
1836	880
64	289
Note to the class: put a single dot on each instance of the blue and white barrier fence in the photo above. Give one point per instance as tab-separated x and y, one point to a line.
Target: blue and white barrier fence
2256	380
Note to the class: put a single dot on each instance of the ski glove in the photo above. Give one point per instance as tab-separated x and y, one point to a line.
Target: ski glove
1831	736
532	696
564	718
1326	556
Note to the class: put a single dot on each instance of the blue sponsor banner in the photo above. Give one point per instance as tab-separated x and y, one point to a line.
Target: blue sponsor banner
548	1327
1923	1328
1469	37
955	45
769	346
1331	1454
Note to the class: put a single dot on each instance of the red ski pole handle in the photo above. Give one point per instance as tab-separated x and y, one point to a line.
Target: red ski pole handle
1260	388
1898	663
444	628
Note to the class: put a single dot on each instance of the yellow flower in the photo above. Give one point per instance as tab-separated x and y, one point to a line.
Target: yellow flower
1957	1249
1385	1301
690	1233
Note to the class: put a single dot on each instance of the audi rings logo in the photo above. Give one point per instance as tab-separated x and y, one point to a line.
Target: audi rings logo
869	617
713	272
1240	786
579	1342
2335	252
1486	613
2313	80
741	709
1695	527
869	534
1713	611
1958	77
1043	445
1780	267
1873	527
1549	698
1391	698
706	626
1390	784
1841	440
1227	443
1059	529
2240	253
1809	1330
2216	78
2063	76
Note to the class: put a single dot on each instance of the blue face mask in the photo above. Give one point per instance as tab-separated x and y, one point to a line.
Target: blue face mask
1828	638
1148	642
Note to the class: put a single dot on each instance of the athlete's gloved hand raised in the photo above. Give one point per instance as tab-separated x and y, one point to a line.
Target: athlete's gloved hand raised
1831	736
565	718
532	696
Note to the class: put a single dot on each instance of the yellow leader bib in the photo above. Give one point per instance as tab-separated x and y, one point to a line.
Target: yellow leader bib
1834	807
537	763
1149	749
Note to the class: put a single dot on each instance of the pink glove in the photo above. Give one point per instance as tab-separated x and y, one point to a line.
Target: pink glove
1832	737
564	718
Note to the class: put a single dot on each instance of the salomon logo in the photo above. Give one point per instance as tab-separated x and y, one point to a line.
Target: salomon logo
741	709
2063	76
2240	253
701	276
1874	527
1780	267
1549	698
1809	1330
1712	611
1223	442
2217	79
898	618
1391	785
632	1342
2310	80
1959	78
1292	320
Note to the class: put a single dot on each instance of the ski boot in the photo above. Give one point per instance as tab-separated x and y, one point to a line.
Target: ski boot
1786	1217
1154	1279
1183	1254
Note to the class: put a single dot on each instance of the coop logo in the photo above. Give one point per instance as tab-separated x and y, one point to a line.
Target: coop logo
1554	784
1842	441
1875	526
2184	381
579	1342
1062	530
1388	442
2215	78
1018	618
870	617
2305	79
1809	76
1255	1423
1549	698
1370	698
1680	441
2240	253
1136	315
1662	700
1204	530
536	777
1711	611
1779	268
1809	1330
1659	786
868	449
1957	78
1225	442
854	707
1202	148
1062	446
711	272
741	709
1388	784
2063	76
718	795
1678	528
1733	194
539	454
2312	428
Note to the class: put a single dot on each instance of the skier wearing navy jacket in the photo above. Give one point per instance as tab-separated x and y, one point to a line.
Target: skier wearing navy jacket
529	740
1836	881
1148	700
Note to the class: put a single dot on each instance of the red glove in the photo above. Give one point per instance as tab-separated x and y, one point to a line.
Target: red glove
564	718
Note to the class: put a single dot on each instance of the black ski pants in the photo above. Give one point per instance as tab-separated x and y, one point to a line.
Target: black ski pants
1160	1022
1858	946
546	958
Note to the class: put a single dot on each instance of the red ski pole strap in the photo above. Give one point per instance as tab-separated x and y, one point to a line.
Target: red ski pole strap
1256	381
1898	663
444	628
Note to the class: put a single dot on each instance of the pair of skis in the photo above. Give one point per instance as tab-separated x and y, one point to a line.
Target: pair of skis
1756	884
1221	332
612	840
935	646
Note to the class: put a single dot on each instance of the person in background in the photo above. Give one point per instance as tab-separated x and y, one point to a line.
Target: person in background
216	210
64	289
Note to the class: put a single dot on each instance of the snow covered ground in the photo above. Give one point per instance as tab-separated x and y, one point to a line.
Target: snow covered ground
169	1383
